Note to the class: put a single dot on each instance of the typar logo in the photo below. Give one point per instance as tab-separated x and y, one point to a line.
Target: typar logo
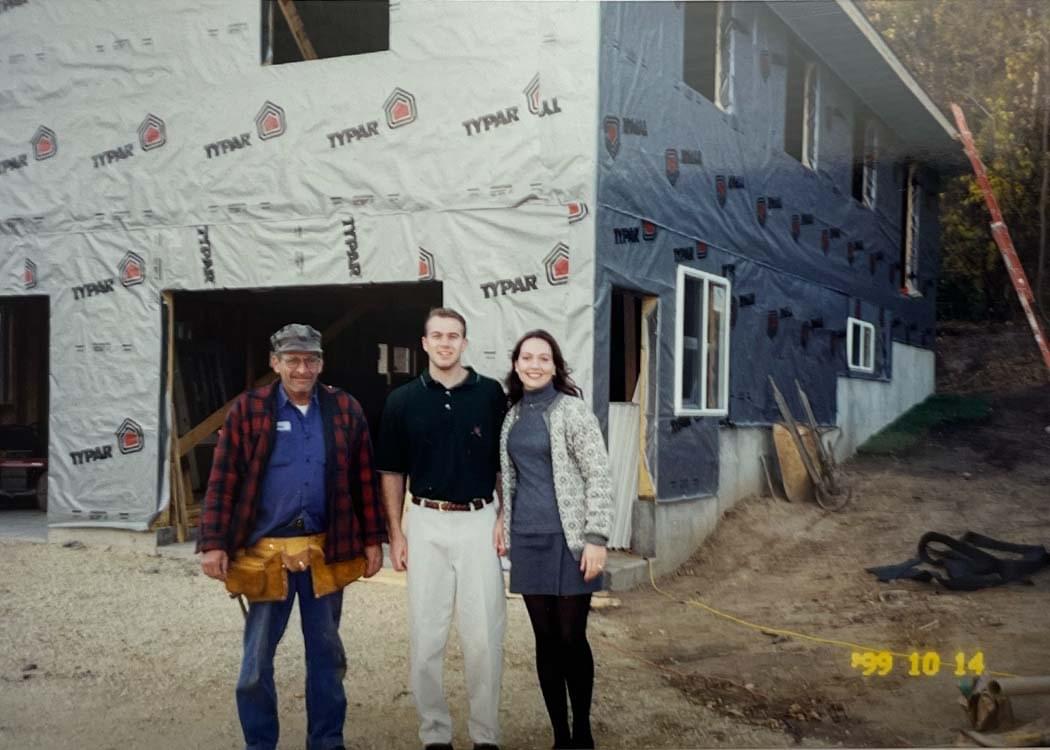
625	235
671	165
720	189
132	270
611	127
648	231
503	287
270	122
400	108
557	265
427	268
130	438
15	162
796	226
538	106
532	95
577	211
761	211
152	133
353	257
825	240
29	275
207	264
45	143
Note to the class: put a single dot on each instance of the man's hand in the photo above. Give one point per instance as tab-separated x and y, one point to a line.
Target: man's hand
592	562
497	535
399	552
373	559
215	563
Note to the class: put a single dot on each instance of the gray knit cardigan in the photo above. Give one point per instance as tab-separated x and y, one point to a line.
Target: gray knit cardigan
581	472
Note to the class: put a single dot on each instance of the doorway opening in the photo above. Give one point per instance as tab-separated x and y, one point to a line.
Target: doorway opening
632	404
219	345
24	404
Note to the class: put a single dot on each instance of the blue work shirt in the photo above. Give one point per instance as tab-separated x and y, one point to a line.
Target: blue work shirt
293	485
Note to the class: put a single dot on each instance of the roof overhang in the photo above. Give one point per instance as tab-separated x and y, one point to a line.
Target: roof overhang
841	36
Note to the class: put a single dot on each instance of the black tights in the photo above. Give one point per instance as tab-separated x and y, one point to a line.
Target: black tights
563	659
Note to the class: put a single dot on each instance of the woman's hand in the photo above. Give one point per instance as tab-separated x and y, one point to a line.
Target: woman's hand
592	562
497	535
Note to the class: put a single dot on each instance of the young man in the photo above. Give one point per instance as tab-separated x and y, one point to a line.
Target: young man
442	430
292	507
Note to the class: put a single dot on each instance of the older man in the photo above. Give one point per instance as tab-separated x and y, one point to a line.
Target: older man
292	509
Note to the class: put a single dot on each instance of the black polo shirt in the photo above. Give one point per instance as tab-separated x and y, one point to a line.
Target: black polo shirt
445	439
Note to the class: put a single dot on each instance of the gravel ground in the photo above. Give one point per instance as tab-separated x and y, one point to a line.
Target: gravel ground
106	648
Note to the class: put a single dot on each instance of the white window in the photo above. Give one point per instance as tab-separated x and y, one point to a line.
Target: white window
701	344
707	51
811	122
912	209
869	175
860	345
802	109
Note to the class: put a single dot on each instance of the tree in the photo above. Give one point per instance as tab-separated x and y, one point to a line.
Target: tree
992	57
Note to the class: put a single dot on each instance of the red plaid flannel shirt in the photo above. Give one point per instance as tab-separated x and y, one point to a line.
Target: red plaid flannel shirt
354	510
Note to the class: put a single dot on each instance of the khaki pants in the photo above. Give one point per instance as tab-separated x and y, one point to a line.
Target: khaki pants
453	567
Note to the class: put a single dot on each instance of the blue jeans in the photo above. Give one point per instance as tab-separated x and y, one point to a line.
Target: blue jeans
325	667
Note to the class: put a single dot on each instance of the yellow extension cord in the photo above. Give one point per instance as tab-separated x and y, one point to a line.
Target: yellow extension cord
780	631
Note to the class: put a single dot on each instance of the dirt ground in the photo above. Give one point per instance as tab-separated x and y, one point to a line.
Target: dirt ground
104	648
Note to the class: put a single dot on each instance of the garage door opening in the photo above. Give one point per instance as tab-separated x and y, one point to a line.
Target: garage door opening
24	342
219	345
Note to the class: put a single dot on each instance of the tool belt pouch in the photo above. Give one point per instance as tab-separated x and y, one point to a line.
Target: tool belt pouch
257	577
331	577
260	573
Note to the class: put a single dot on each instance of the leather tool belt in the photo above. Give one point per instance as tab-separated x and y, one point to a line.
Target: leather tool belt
260	572
476	504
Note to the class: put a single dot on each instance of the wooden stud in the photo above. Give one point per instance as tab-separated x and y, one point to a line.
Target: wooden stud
295	24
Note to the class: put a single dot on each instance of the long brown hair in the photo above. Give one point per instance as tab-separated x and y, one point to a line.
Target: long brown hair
562	382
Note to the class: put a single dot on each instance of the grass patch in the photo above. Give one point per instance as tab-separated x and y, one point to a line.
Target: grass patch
909	429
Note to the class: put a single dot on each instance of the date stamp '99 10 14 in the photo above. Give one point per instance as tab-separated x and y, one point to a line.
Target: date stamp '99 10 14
920	664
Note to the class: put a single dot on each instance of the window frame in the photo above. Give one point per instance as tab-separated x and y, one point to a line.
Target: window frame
723	53
709	280
811	96
912	230
724	64
864	326
869	180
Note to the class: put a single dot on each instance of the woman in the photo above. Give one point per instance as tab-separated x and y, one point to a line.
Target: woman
556	522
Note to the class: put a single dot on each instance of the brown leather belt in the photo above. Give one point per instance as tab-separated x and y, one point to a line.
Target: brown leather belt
476	504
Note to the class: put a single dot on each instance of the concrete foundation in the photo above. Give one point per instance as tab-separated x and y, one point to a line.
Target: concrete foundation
866	406
668	533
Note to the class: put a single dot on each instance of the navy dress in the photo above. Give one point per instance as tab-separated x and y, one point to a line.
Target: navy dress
540	560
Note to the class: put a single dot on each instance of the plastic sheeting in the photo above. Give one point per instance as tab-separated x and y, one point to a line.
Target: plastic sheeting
682	180
145	148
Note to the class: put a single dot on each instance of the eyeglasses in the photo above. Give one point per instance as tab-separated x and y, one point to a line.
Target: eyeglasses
312	363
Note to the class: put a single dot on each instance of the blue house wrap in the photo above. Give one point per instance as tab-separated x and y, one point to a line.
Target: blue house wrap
705	180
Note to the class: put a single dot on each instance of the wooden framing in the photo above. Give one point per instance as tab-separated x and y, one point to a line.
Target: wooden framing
295	24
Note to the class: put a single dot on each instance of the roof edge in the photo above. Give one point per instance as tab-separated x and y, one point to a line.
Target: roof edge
879	44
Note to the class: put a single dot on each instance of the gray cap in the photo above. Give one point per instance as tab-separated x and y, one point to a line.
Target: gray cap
296	337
